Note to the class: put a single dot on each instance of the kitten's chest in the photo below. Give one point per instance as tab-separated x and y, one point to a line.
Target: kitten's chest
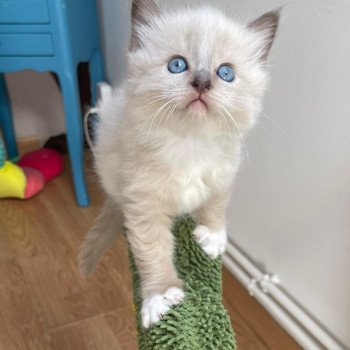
195	167
191	158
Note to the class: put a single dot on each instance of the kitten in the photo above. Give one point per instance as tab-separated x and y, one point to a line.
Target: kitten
169	140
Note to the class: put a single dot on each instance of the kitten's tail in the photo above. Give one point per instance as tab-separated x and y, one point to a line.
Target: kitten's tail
100	237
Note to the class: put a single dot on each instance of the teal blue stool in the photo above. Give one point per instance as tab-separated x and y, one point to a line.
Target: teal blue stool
54	36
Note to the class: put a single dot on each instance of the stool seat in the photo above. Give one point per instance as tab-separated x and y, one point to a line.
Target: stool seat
53	36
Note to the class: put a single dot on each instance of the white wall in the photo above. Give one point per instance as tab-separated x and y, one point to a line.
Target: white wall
291	204
290	209
36	104
115	27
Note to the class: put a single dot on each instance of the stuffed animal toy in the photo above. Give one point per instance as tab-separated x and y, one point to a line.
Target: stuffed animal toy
27	179
17	182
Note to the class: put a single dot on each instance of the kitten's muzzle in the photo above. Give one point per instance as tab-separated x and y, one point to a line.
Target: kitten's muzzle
201	81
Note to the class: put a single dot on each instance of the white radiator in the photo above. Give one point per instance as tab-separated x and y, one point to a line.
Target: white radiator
265	288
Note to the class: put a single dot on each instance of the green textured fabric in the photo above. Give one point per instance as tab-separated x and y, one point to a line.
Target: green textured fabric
2	153
200	322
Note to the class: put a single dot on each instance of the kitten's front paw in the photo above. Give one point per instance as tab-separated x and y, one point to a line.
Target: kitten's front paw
213	243
156	306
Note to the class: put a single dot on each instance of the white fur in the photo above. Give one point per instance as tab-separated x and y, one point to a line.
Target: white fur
213	243
156	306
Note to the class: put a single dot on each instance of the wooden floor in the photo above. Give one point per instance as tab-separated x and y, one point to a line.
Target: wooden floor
44	304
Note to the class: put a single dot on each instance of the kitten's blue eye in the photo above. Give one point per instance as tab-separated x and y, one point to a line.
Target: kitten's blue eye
177	65
226	72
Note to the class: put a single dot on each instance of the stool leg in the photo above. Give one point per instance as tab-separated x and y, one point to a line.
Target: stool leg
75	136
6	122
96	74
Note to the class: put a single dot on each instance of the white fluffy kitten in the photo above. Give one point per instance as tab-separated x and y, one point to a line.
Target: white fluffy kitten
169	140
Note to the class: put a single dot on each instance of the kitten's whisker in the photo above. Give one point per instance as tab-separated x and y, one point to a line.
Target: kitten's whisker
164	113
227	101
228	129
260	122
239	131
153	95
154	99
171	114
154	116
274	123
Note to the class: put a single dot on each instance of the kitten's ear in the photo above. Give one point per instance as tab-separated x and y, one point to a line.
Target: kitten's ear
141	13
266	26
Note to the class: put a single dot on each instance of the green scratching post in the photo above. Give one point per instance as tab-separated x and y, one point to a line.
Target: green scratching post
200	322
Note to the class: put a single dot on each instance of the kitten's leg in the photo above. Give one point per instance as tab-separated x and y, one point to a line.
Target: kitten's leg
210	232
152	245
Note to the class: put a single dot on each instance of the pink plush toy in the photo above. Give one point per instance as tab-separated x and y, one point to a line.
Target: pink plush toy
47	161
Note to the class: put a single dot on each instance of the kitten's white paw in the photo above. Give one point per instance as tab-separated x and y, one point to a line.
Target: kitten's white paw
156	306
213	243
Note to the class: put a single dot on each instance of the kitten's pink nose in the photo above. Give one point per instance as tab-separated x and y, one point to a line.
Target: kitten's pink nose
201	81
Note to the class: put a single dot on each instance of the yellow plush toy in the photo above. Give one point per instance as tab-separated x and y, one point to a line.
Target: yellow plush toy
17	182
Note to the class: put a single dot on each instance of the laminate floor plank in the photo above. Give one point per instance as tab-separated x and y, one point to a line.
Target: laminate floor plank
46	305
122	323
247	308
21	326
90	334
246	336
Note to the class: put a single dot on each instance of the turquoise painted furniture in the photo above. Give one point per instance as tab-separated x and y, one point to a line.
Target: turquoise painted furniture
54	36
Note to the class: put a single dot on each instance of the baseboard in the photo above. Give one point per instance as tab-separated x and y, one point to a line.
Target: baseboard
27	144
298	322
